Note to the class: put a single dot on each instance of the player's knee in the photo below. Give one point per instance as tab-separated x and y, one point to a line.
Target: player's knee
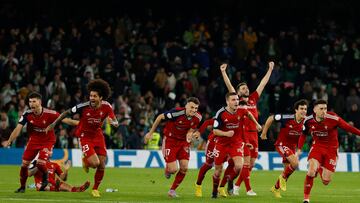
94	163
326	182
311	173
184	169
295	165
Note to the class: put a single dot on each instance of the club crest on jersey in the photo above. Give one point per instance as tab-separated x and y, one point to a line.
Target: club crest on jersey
44	121
31	121
226	120
238	118
326	127
180	122
290	126
192	123
88	114
312	127
101	113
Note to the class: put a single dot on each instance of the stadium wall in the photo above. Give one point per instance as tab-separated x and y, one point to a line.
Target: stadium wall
348	162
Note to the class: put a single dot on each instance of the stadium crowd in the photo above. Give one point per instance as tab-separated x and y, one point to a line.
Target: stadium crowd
154	64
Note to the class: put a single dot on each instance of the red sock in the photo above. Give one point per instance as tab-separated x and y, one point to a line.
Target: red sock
23	176
227	175
178	179
277	184
287	171
307	186
216	180
204	168
246	177
99	174
74	189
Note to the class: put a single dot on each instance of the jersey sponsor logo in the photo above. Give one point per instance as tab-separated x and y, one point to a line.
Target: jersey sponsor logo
94	120
319	133
232	126
294	133
39	129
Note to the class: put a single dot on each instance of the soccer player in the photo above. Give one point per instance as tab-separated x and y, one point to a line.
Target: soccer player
92	115
180	128
290	136
228	129
322	126
37	119
56	178
251	149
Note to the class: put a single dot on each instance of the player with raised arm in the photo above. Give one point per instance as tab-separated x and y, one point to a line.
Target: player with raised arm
251	149
37	118
290	136
323	127
56	178
92	141
181	126
228	129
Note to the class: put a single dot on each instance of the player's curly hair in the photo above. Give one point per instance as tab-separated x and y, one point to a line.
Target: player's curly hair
101	87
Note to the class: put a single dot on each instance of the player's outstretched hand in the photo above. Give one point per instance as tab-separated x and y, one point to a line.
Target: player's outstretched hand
223	67
271	65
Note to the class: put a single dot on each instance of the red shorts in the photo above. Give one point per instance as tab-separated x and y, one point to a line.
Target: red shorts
173	150
93	146
31	150
223	152
253	139
285	151
209	150
327	157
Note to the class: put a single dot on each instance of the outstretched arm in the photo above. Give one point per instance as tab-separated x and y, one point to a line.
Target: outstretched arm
15	133
70	121
251	116
218	132
226	78
347	127
157	121
266	127
57	121
265	79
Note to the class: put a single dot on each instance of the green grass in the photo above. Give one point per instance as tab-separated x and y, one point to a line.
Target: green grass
149	185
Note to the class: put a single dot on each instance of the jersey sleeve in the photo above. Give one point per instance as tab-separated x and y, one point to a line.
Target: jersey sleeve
173	114
208	122
217	121
78	108
23	119
278	117
111	112
347	127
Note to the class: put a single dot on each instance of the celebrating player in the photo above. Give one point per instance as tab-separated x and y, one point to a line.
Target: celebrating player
179	130
251	150
290	136
92	115
322	126
40	141
228	127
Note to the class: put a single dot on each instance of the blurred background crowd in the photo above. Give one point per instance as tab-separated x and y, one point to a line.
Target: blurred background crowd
155	59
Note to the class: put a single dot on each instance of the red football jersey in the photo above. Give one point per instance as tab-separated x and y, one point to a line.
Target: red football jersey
36	125
91	119
53	170
290	130
325	133
208	122
178	124
226	121
252	108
